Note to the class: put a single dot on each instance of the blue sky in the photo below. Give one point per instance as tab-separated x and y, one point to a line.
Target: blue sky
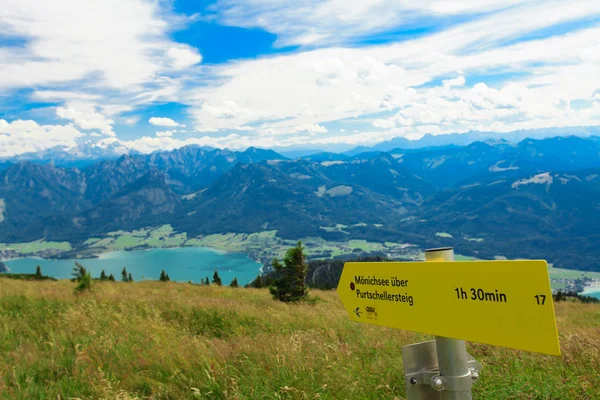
152	75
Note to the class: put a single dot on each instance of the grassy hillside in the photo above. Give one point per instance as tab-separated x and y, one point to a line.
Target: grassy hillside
180	341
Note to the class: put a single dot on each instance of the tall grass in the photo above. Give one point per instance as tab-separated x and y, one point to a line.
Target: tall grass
179	341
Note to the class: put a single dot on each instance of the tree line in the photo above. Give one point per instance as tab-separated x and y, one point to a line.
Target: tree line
288	281
84	279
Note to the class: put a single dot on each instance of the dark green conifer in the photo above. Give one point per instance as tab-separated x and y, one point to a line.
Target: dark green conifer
79	272
38	272
234	283
289	283
111	278
84	283
130	279
216	279
103	276
124	276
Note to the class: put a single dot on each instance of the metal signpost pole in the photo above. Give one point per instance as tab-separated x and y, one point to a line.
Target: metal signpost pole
479	301
456	378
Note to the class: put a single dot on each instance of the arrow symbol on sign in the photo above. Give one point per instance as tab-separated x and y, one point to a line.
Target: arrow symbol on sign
357	312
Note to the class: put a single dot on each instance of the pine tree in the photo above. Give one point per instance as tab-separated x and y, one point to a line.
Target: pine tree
85	283
261	281
164	277
103	276
38	272
256	283
124	276
130	279
111	278
206	281
289	284
79	272
234	283
216	279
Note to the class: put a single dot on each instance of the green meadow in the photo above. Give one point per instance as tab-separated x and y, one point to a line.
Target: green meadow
155	340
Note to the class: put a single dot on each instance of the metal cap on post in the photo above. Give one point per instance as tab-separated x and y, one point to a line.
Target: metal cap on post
453	359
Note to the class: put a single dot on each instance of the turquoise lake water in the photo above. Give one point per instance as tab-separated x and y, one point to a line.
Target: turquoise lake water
182	264
594	294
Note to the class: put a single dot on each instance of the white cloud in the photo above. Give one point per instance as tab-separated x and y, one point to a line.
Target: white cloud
148	144
114	54
160	121
335	21
122	42
284	129
113	109
279	93
85	116
165	133
312	128
459	81
183	56
513	107
63	95
131	120
99	74
20	136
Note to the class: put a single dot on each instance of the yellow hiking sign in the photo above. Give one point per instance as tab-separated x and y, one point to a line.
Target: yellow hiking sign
503	303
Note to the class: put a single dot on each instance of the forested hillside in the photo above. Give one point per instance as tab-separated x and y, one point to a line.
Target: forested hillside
533	199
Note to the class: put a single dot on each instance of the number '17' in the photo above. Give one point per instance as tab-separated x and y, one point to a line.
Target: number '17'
541	299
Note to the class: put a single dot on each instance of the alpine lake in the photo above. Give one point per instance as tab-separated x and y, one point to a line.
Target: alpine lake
183	264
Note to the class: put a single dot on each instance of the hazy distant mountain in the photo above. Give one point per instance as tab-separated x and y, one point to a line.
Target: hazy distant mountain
358	150
463	139
382	174
4	165
535	198
293	154
190	168
255	197
29	192
548	215
148	199
446	167
79	156
325	156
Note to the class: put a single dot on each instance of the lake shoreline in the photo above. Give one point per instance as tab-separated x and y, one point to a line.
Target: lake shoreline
87	255
183	264
591	289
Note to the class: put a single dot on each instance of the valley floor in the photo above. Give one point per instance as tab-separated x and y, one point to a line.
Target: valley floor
180	341
260	246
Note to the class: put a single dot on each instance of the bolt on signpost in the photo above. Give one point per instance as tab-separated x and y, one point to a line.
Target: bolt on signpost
502	303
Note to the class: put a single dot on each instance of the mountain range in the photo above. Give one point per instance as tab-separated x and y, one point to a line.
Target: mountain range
538	198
